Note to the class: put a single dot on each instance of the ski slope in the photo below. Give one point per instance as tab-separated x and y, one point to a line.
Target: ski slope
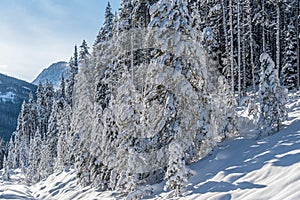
241	168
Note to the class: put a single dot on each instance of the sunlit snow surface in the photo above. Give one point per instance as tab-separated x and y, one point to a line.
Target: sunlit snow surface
243	168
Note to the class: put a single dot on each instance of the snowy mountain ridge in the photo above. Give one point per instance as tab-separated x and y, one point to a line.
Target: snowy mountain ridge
53	74
12	93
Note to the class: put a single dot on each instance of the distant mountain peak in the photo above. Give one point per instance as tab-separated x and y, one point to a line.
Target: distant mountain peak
53	73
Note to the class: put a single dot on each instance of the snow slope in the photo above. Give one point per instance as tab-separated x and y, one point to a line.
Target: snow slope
242	168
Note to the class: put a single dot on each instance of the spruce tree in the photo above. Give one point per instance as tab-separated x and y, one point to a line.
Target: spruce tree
125	18
289	69
6	173
41	108
48	98
272	96
33	171
84	51
73	63
177	174
106	30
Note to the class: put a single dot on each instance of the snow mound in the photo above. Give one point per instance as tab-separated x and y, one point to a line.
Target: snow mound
64	185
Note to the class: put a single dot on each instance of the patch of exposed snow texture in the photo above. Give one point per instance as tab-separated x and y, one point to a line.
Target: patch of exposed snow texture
9	96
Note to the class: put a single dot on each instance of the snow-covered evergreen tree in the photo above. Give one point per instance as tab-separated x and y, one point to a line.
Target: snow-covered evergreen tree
289	69
84	51
82	129
24	136
141	15
41	108
272	96
106	30
125	17
33	171
6	167
63	144
2	152
48	99
71	79
177	174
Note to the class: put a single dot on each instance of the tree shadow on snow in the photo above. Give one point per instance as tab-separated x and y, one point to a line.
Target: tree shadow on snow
243	156
214	186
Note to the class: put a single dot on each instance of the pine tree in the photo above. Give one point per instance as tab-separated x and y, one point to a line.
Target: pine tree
73	63
106	30
61	93
41	108
24	136
63	143
33	171
2	152
272	96
177	174
125	17
48	98
141	15
289	69
52	137
6	173
84	51
82	129
12	153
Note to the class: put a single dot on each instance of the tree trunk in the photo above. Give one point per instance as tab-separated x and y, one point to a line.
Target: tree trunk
278	38
231	46
239	50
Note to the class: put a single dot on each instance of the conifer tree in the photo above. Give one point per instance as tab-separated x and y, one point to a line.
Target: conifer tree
2	152
84	51
125	18
289	69
6	173
48	98
81	130
177	174
272	96
63	143
141	15
33	171
41	108
71	80
106	30
24	137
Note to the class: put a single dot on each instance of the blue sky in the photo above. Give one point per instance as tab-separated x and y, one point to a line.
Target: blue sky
36	33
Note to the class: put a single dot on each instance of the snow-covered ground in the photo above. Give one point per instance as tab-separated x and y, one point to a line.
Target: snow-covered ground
242	168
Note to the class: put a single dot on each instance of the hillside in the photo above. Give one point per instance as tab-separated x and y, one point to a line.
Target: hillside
12	93
53	73
242	168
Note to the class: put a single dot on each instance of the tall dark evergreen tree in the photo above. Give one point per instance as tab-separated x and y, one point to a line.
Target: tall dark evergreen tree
273	98
125	21
71	80
84	51
289	70
106	30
